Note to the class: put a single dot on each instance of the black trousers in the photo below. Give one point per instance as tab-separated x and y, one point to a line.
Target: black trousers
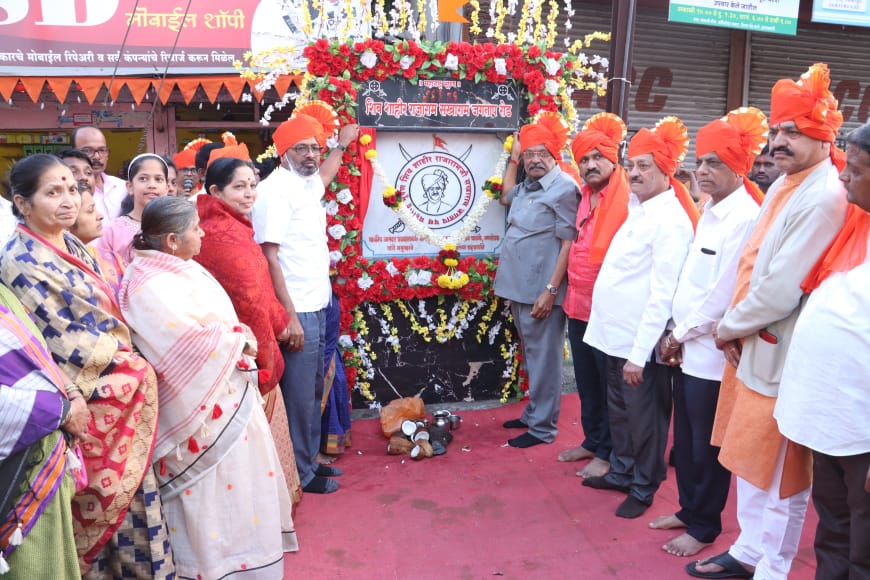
639	420
842	541
589	368
702	482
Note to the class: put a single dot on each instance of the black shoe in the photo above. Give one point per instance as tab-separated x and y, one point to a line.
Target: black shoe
525	440
515	424
601	482
631	508
327	471
321	485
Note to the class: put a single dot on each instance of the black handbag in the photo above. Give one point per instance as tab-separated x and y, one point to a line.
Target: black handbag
13	472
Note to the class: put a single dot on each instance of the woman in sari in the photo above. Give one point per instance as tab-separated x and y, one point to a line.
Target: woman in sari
36	491
231	255
225	496
118	520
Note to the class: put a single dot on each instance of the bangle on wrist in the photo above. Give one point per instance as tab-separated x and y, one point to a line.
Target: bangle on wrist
70	389
514	161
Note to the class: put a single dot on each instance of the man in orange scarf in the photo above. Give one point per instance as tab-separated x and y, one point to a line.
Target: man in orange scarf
799	218
603	208
824	397
725	149
531	270
631	306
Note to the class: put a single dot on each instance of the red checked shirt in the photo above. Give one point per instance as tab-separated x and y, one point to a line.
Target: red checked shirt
582	274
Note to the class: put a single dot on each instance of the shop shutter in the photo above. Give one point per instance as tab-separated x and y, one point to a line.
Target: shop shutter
680	69
844	50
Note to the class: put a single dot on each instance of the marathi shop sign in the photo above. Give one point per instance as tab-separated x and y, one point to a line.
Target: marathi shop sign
845	12
126	37
773	16
442	104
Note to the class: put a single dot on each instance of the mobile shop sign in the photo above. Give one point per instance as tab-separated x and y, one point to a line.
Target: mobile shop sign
773	16
442	104
85	37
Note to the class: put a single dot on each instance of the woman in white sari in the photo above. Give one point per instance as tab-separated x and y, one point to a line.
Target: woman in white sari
222	485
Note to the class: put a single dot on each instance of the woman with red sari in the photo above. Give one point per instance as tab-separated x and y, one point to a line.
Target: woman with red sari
118	518
231	255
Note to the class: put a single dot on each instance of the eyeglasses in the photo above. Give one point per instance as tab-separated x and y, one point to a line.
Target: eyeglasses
539	154
187	170
91	152
306	149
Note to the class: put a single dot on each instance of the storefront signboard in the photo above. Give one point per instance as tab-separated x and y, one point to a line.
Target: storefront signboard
772	16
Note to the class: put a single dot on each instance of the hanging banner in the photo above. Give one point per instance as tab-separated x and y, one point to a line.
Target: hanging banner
773	16
845	12
442	104
85	37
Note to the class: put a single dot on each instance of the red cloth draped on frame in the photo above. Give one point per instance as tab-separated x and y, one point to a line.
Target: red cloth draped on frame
604	132
668	143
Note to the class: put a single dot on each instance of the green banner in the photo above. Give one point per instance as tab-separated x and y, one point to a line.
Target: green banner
741	15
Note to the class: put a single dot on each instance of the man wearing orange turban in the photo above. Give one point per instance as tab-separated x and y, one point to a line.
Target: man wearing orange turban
799	218
531	269
290	225
827	411
725	150
603	208
631	306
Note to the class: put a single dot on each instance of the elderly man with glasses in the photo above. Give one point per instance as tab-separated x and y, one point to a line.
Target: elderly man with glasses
532	266
109	191
290	225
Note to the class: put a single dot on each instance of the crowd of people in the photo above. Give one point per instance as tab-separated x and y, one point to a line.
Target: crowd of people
149	438
747	321
153	438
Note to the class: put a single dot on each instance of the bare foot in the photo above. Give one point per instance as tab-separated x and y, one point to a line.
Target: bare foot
595	468
578	453
324	459
684	545
669	522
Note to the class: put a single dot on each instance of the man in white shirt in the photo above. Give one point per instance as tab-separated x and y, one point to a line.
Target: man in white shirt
109	191
725	149
802	212
631	306
824	395
290	225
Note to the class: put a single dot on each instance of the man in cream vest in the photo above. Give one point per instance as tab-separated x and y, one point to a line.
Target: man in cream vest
801	214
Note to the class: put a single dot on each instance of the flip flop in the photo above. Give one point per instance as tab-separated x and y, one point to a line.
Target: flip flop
731	568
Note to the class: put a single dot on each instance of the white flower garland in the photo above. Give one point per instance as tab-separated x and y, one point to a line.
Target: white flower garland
469	222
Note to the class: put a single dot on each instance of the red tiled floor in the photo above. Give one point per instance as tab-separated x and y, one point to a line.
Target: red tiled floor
491	511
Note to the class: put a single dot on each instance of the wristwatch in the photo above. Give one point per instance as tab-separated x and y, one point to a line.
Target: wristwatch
341	147
553	290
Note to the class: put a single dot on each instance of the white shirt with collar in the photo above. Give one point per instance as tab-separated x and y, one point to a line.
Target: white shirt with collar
8	221
289	212
824	393
631	300
707	281
108	199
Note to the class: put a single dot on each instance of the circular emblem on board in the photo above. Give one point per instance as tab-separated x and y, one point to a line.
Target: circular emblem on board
438	189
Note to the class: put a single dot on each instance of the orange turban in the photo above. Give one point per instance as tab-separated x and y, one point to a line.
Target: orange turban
736	139
298	128
668	143
809	103
604	132
232	148
185	158
548	129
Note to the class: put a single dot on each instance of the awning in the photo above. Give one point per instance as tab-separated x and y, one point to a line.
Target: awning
141	89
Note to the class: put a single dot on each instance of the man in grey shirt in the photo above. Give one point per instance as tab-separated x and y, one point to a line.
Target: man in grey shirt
532	266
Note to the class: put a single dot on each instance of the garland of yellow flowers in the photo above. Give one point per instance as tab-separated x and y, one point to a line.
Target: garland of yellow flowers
475	18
